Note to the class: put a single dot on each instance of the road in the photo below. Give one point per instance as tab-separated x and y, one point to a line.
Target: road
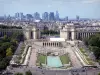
37	71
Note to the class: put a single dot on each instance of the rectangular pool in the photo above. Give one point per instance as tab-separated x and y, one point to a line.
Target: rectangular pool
54	61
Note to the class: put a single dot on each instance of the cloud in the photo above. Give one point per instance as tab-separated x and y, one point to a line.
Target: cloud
79	1
90	1
49	6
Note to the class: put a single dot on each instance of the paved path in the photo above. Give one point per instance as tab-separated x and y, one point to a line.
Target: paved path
75	61
33	58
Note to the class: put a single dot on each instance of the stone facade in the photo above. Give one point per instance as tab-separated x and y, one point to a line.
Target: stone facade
9	32
32	33
70	32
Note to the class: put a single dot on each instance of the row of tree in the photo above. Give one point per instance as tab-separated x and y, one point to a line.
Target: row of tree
47	32
8	46
93	42
9	27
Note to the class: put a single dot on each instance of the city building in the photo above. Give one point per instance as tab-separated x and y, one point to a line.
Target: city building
77	18
72	32
19	16
16	15
51	16
66	18
45	16
57	16
36	16
29	17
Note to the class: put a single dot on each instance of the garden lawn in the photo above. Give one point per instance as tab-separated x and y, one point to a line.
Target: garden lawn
65	59
41	59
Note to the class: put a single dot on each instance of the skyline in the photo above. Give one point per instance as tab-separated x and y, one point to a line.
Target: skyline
70	8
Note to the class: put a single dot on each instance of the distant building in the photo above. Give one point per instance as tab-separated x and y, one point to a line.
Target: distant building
16	16
45	16
66	18
36	16
51	16
29	17
57	16
19	16
5	17
77	18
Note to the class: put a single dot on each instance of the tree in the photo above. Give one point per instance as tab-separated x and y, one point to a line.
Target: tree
94	40
6	39
3	65
5	45
9	52
99	73
45	28
93	43
18	73
86	41
8	45
96	51
13	48
28	73
14	42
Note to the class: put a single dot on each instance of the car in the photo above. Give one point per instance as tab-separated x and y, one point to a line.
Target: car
40	67
83	70
74	70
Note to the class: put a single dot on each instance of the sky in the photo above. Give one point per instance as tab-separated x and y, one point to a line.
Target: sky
70	8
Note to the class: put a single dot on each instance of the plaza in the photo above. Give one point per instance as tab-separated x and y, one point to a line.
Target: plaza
55	52
51	54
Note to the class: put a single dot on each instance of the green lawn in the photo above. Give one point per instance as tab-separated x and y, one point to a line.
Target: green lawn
64	59
90	62
81	49
41	59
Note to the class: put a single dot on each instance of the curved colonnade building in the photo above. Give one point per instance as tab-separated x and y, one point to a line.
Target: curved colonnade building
68	32
30	32
9	32
72	32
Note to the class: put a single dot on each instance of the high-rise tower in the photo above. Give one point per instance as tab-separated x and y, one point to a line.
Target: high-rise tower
51	16
57	16
36	16
45	16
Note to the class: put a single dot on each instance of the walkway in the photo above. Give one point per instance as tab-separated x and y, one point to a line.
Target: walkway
75	61
33	58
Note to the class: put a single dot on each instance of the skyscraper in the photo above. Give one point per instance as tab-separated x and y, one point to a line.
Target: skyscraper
36	16
57	16
51	16
45	16
19	16
77	17
29	17
66	18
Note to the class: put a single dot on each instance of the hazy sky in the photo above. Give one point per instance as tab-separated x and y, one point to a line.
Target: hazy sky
71	8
